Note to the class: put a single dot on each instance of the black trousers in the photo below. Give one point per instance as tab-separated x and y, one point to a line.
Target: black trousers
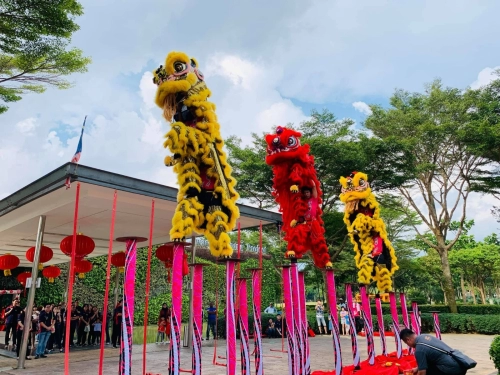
11	327
108	339
72	330
117	334
19	335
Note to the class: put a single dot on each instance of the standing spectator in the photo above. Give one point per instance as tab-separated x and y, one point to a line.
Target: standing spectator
93	316
109	319
73	324
19	334
83	327
117	324
320	316
96	335
162	326
58	319
11	313
211	320
46	322
270	309
343	315
431	355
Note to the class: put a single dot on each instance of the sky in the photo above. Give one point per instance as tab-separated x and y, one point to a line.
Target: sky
266	63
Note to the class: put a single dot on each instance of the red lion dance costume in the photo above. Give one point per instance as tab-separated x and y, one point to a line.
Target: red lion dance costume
294	172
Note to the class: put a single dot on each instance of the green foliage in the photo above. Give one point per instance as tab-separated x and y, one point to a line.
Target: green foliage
495	352
34	42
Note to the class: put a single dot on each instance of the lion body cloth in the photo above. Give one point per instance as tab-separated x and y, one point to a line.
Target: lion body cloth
375	257
206	201
293	169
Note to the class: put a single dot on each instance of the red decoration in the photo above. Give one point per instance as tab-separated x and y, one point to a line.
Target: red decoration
82	266
165	253
8	262
22	277
46	254
118	260
84	245
51	272
185	266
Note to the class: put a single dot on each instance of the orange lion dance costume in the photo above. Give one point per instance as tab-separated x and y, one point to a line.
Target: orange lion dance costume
294	172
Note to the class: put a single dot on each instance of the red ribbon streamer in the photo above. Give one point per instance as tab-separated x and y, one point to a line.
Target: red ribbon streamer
352	326
106	290
148	277
365	306
381	327
230	319
332	302
292	366
257	333
243	319
197	318
174	362
71	280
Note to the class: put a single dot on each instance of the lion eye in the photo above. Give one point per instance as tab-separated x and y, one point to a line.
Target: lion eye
361	182
179	66
292	141
193	64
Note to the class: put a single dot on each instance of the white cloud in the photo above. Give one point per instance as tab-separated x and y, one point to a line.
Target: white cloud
362	107
484	77
27	126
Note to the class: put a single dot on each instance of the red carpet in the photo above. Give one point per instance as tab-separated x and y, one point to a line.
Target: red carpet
389	365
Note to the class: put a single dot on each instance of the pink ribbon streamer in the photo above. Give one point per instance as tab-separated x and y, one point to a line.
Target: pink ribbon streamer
381	327
352	327
290	329
365	311
305	336
259	366
176	315
197	318
243	318
332	302
395	323
297	317
404	310
230	319
125	365
414	308
437	326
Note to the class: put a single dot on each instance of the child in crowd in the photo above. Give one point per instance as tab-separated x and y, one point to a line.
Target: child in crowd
162	326
97	331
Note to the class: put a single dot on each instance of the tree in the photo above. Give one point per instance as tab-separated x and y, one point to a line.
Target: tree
34	41
430	124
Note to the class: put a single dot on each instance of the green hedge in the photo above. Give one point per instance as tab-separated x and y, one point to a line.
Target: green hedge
495	352
443	309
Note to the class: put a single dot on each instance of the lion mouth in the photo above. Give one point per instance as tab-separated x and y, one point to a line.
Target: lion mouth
277	150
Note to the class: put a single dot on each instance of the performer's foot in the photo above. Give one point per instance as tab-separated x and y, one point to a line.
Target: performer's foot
182	239
329	266
290	254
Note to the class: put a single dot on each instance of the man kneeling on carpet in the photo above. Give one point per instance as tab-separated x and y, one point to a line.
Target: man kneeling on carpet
434	357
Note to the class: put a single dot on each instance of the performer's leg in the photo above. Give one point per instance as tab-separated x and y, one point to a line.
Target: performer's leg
383	277
216	232
318	246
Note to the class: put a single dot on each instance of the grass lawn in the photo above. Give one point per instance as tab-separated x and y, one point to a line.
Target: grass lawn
138	335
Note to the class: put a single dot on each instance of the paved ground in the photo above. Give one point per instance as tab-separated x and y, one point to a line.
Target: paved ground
275	363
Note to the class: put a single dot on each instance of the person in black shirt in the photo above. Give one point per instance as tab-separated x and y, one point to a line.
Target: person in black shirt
117	324
19	334
82	327
11	322
278	325
46	322
73	325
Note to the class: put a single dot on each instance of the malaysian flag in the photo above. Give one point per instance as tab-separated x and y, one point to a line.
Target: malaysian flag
77	155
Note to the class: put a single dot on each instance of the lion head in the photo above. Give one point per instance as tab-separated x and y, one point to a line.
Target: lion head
284	145
177	80
355	187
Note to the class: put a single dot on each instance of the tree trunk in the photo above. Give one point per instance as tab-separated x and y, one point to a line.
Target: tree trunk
442	288
472	292
462	285
449	291
481	291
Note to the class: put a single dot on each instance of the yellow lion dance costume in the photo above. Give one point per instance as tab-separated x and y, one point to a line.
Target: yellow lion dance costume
375	257
206	198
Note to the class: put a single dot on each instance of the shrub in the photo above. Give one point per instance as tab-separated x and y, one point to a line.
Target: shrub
495	352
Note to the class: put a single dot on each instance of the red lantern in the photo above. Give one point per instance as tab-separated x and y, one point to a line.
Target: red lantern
84	246
22	277
51	272
118	260
165	253
82	266
8	262
46	254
